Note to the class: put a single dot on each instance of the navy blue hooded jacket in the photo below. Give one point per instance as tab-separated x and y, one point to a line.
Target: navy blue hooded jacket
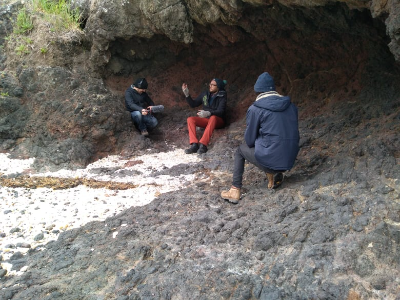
272	128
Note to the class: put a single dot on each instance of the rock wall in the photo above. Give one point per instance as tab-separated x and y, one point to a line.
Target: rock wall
318	52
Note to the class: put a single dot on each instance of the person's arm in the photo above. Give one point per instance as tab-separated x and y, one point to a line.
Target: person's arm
192	103
130	102
253	125
149	101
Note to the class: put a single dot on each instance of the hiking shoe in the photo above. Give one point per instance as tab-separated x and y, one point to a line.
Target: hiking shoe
270	178
233	195
202	149
193	148
145	133
278	178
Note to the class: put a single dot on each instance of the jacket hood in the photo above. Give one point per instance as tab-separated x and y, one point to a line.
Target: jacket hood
272	101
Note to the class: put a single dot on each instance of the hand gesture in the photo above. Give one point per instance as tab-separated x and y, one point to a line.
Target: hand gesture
185	89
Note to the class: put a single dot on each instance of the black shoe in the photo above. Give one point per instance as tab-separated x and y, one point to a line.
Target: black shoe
202	149
193	148
278	178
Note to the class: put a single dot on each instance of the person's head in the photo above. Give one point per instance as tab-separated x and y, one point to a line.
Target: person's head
140	85
264	83
217	85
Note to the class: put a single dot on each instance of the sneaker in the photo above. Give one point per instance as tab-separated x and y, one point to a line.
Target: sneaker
202	149
193	148
145	133
233	195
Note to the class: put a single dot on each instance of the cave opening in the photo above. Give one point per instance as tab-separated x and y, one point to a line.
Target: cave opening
316	55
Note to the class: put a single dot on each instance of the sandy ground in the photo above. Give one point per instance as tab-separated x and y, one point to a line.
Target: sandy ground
29	217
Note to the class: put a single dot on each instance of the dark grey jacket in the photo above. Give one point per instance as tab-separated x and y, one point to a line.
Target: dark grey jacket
135	101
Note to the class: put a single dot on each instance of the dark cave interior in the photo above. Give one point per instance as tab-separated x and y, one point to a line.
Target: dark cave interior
317	56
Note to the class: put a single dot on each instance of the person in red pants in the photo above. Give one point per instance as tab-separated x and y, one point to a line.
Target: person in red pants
212	115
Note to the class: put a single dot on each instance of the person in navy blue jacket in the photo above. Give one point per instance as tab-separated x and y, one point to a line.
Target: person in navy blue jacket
271	137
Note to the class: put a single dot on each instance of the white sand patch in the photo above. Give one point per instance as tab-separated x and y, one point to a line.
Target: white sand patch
30	212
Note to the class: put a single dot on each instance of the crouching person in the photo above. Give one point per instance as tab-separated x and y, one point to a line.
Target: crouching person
271	137
141	106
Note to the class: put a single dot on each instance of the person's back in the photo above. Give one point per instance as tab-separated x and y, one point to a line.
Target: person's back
272	128
271	137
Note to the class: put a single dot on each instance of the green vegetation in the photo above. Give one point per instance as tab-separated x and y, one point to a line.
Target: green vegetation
58	13
4	94
22	49
24	22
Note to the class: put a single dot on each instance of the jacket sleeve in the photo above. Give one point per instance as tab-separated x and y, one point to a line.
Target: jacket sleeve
130	102
149	101
253	125
196	102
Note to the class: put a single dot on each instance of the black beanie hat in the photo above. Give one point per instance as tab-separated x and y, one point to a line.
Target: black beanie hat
220	83
141	83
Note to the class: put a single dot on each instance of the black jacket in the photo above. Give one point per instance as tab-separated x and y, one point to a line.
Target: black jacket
216	105
135	101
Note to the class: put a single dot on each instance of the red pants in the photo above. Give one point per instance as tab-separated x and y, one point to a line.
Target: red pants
209	125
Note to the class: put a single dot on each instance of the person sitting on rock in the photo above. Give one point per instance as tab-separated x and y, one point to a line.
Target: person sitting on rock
210	117
140	105
271	137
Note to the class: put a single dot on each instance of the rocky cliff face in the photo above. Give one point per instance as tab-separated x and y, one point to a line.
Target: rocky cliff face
331	233
71	95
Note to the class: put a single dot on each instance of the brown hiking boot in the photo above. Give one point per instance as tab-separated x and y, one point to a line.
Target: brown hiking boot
274	180
233	195
270	178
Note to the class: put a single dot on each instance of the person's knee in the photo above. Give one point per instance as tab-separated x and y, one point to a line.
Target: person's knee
213	118
154	123
136	114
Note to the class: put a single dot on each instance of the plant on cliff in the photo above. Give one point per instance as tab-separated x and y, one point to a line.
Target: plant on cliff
40	19
24	22
58	13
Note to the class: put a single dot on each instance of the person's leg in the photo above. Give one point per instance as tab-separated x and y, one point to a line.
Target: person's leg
233	194
213	122
274	177
138	120
242	154
150	121
192	122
